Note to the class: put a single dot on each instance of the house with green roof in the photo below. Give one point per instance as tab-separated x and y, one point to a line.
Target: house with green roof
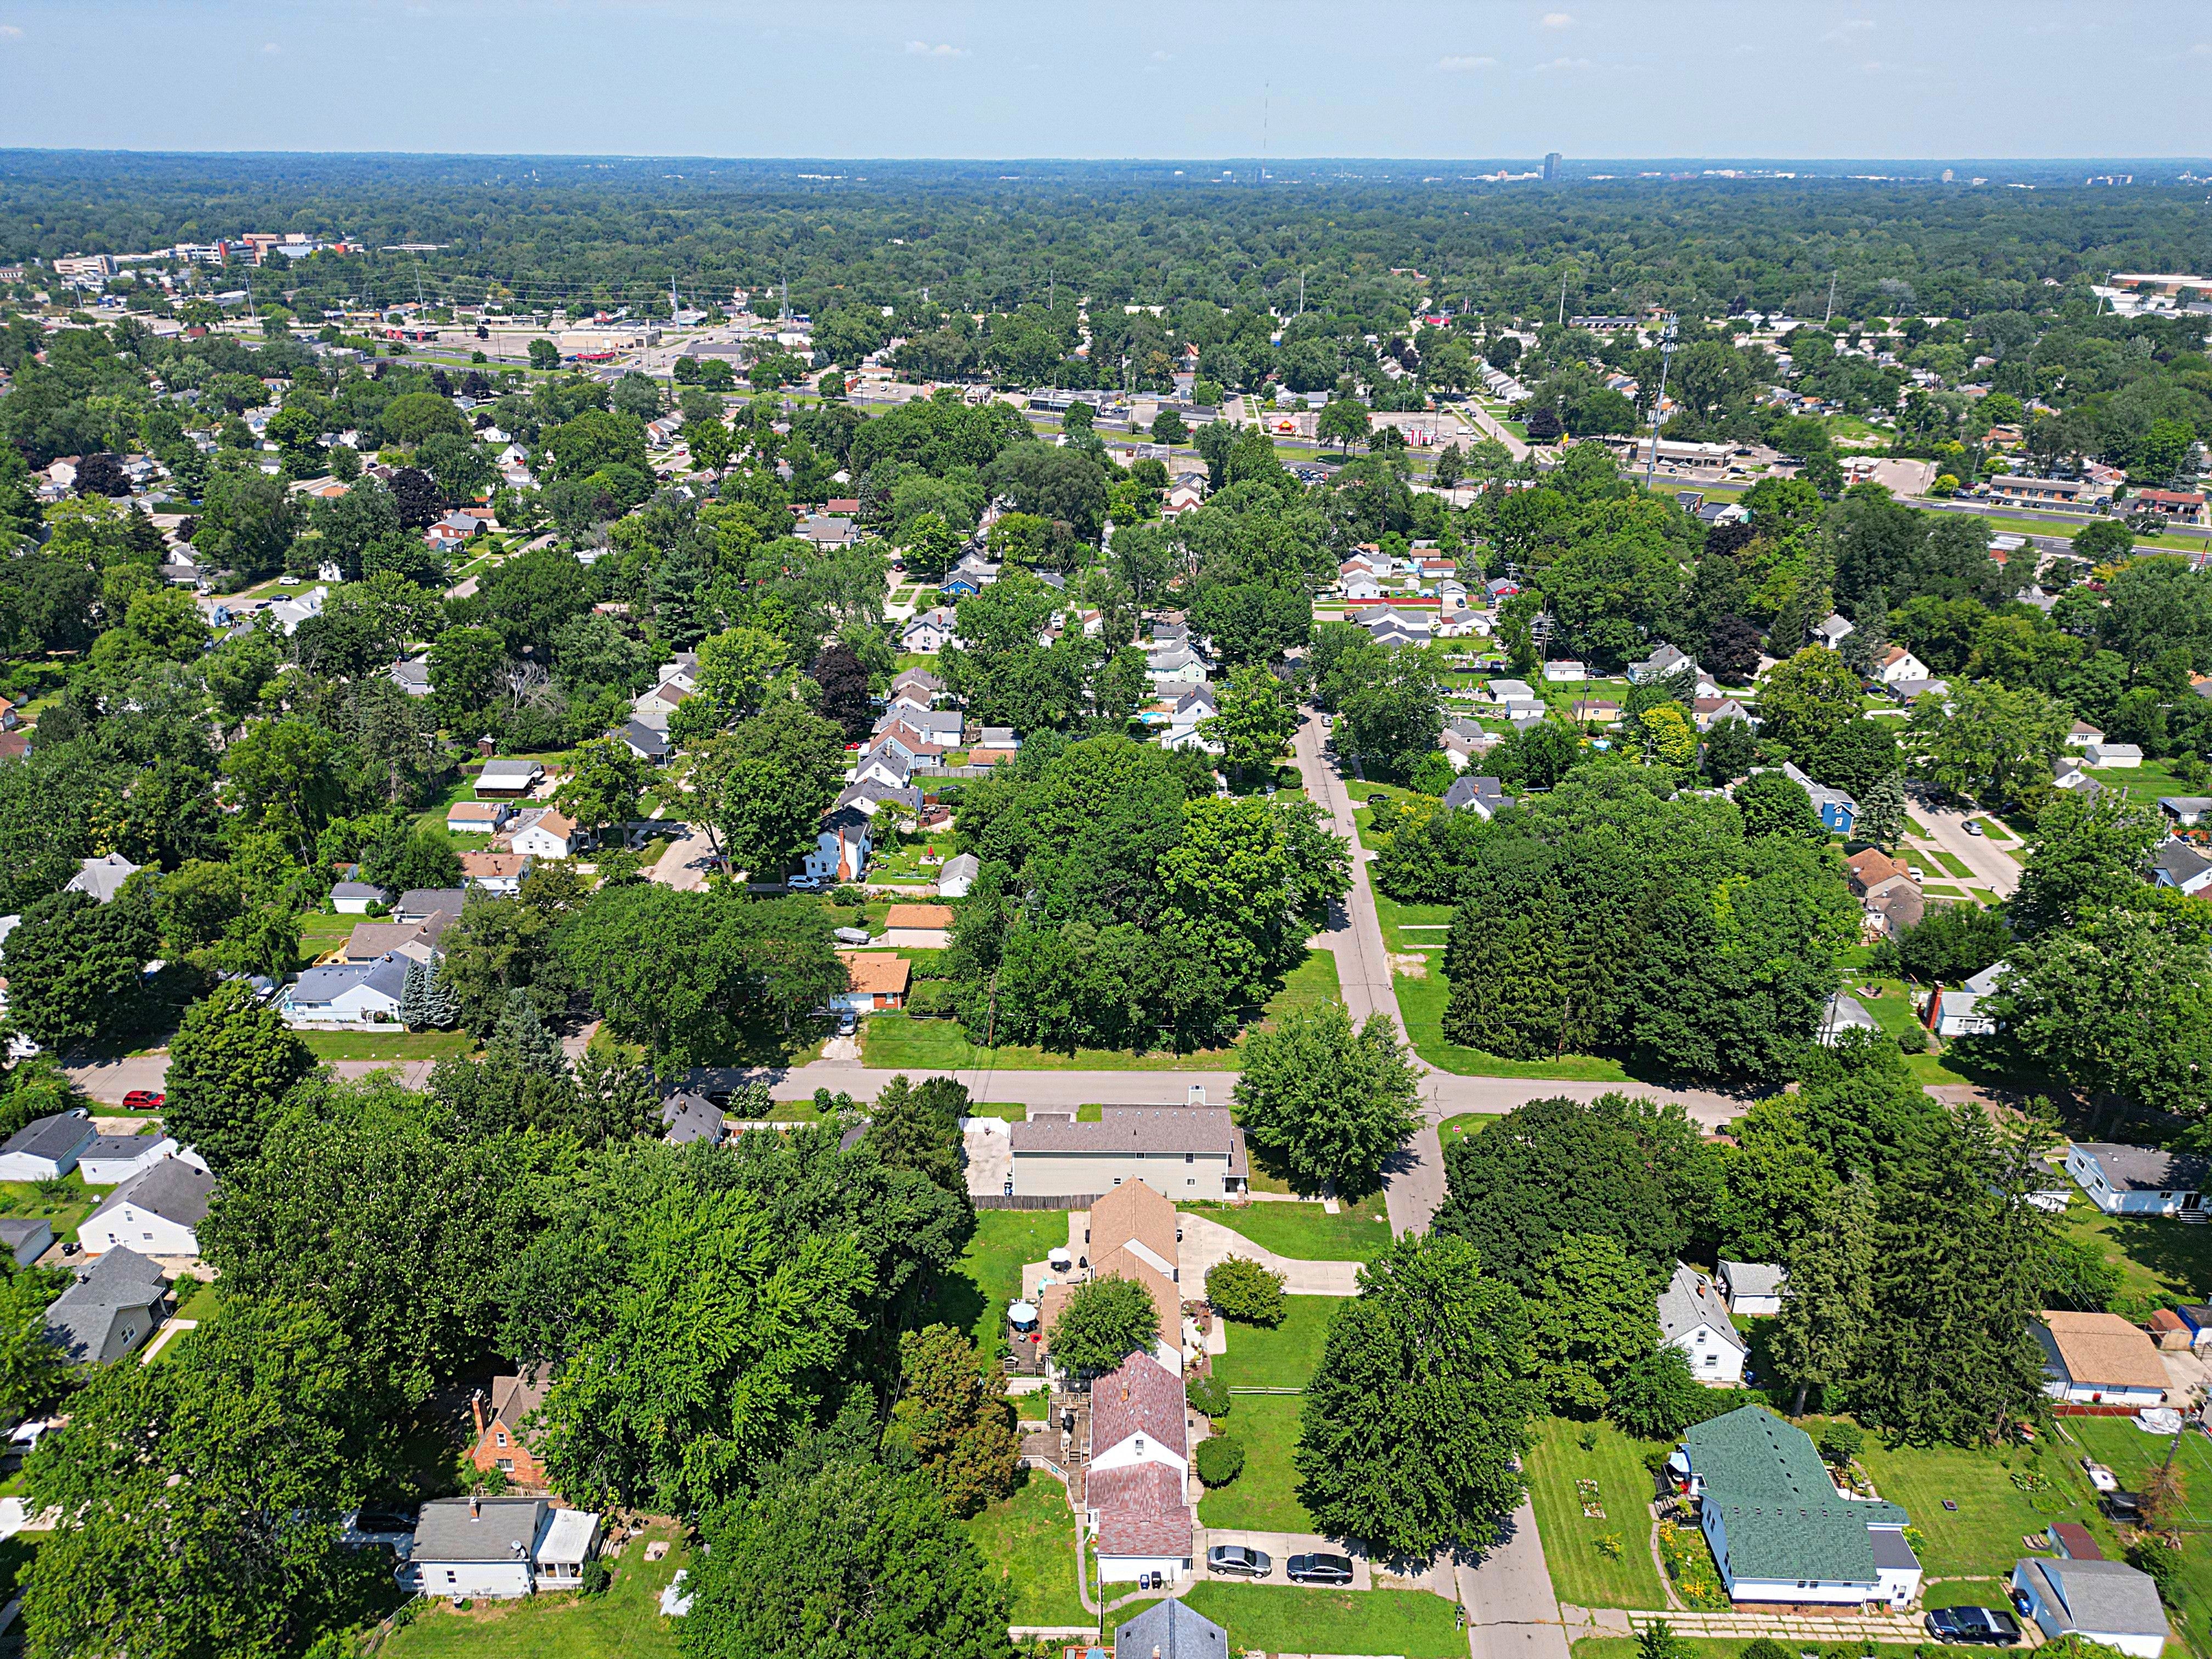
1779	1529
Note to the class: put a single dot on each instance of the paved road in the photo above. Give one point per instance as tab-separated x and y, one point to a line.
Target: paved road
1507	1593
1947	828
1491	427
685	864
110	1080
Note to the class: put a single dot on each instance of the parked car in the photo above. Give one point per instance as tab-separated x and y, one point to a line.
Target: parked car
1973	1625
1239	1561
1318	1570
1972	828
143	1100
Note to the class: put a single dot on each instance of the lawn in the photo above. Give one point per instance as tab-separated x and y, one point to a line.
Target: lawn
1030	1539
1305	1231
1688	1647
2144	784
900	1042
974	1296
1951	862
198	1304
1574	1544
1421	1001
623	1624
1283	1358
1466	1124
2161	1261
1284	1617
395	1045
72	1200
1982	1537
2131	1454
321	934
1265	1497
1415	927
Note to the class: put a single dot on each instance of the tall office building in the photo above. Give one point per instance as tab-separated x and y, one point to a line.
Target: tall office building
1552	168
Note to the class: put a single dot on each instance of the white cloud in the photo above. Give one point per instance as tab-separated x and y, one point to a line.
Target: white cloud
1564	65
1847	28
9	32
270	50
1558	20
923	49
1458	65
1163	57
2202	49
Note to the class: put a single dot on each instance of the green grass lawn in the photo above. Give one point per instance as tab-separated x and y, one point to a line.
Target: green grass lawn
196	1303
1415	927
1982	1537
2158	1258
1284	1618
1422	1001
1687	1647
1030	1539
64	1211
321	934
395	1045
2131	1455
1574	1544
1952	862
1305	1231
1466	1124
973	1297
1265	1495
1283	1358
900	1042
623	1624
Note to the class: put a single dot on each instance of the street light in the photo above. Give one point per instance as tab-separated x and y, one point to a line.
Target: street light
1666	356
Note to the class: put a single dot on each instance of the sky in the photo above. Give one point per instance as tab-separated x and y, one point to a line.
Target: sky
1794	79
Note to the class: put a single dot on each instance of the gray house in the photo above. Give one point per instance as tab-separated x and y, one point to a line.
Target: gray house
1169	1630
46	1147
26	1241
1183	1151
115	1303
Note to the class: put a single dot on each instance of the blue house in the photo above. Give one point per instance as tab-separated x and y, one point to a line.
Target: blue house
1838	810
959	586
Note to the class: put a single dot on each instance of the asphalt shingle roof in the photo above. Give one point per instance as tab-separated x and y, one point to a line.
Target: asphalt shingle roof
1783	1516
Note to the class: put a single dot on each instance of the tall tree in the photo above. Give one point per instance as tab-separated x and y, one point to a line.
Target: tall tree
1326	1103
917	1126
1254	726
1827	1311
231	1063
953	1414
1103	1322
1591	1318
1417	1414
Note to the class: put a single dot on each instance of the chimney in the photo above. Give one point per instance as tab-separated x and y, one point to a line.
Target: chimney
475	1410
475	1507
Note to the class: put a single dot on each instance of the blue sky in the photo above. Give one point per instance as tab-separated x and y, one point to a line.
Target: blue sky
850	78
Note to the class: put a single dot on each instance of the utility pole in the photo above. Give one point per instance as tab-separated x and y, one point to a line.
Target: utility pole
1666	355
1563	301
1827	315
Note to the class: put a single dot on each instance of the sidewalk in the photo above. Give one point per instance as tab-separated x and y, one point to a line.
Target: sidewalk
1742	1624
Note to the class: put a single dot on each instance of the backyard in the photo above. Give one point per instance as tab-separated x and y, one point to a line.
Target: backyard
1305	1231
1282	1617
1265	1497
1030	1539
1596	1561
973	1297
625	1623
62	1203
2160	1260
1283	1358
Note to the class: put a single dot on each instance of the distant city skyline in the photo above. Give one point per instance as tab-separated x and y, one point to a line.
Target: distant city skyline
977	79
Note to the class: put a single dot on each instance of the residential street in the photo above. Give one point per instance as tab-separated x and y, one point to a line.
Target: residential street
1508	1596
1947	828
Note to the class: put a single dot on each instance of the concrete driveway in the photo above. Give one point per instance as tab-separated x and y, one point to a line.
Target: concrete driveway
685	864
990	1149
1280	1547
1205	1240
1507	1593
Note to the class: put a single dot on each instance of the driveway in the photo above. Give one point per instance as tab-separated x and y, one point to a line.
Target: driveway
1947	828
990	1149
1205	1240
1280	1547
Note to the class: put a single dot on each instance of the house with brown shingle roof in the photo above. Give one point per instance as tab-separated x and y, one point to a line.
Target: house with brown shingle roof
877	978
2098	1359
500	1442
919	926
1137	1472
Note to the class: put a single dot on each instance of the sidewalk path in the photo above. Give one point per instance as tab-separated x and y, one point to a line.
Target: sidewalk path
1205	1242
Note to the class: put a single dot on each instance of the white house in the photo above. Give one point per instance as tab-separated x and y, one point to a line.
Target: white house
1563	669
111	1159
1693	1318
841	847
1136	1480
2098	1359
498	1548
2101	753
47	1148
1898	664
931	631
1177	665
1752	1288
2138	1180
956	875
550	835
2177	864
156	1212
478	818
508	778
1832	630
101	878
2104	1601
1779	1529
353	898
347	994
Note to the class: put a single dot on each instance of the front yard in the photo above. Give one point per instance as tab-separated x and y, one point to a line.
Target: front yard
1596	1561
623	1624
1283	1358
1288	1619
1265	1497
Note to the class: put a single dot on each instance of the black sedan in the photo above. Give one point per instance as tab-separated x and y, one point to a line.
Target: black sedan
1318	1570
1973	1625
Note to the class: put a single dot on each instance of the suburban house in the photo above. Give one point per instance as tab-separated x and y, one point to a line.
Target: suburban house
1565	669
931	631
878	980
47	1148
500	1443
956	875
498	1548
1667	660
2138	1180
111	1159
1779	1529
495	872
1900	664
688	1117
1886	891
1838	810
353	898
918	926
26	1241
418	941
1708	711
112	1303
2187	811
478	818
1463	743
2099	1601
1752	1288
2177	864
1484	796
2099	1359
641	740
1844	1013
1169	1630
421	903
1958	1013
101	878
549	835
1693	1318
841	847
1832	630
2112	754
1136	1475
508	779
1177	666
1134	1233
1184	1152
347	994
156	1212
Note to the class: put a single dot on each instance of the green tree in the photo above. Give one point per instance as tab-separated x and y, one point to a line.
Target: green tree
1731	751
1169	428
735	669
545	355
2088	855
1325	1102
33	1369
848	1561
764	786
1990	744
917	1126
465	665
953	1414
1418	1415
1880	820
73	965
1807	698
1660	1396
1255	723
1103	1322
1828	1310
1342	421
1242	1290
1773	803
231	1063
605	780
1590	1319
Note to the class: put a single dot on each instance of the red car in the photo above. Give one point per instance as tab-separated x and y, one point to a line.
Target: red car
143	1100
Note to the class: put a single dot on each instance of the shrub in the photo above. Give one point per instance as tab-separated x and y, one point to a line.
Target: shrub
597	1575
933	999
1208	1394
1220	1460
1912	1040
1245	1291
1765	1648
2152	1557
1841	1442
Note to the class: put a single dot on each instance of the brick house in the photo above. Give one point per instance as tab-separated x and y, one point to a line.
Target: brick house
500	1442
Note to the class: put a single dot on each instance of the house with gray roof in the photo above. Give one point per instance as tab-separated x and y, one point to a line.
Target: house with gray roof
688	1117
472	1546
1169	1630
47	1148
2177	865
2106	1601
643	741
102	878
1182	1152
958	874
1779	1529
1666	660
157	1212
421	903
1838	810
348	994
2122	1180
25	1240
1693	1318
112	1304
1752	1287
1484	796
